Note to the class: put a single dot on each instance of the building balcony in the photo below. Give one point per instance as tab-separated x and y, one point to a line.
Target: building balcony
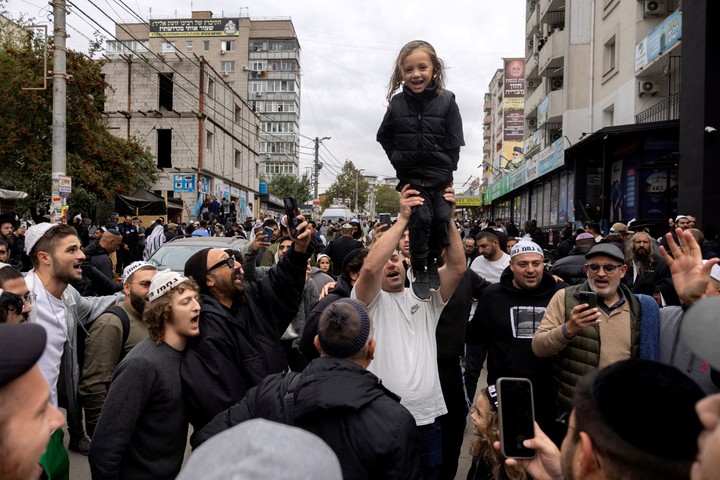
668	109
531	66
533	99
552	107
548	6
553	51
531	26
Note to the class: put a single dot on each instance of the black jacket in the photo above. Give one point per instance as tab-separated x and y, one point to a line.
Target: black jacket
240	346
373	436
450	332
307	346
100	259
422	135
570	268
506	318
338	249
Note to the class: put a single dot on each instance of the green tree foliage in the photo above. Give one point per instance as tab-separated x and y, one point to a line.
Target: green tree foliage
387	200
345	188
99	163
291	186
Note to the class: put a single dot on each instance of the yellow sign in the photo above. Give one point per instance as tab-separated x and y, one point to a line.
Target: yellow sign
468	201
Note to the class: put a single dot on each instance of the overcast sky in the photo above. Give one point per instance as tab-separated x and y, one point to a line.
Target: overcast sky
348	49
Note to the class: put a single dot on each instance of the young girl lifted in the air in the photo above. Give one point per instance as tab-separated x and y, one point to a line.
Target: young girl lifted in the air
422	135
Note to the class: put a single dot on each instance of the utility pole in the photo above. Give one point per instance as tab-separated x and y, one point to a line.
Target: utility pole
357	190
59	114
317	165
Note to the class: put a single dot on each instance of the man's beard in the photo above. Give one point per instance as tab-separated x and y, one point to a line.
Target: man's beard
137	302
642	256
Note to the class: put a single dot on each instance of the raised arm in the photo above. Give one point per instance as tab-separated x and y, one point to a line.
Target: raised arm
369	283
690	276
452	272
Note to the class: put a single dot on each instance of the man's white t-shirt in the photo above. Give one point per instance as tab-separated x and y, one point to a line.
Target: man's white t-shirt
488	270
406	350
51	315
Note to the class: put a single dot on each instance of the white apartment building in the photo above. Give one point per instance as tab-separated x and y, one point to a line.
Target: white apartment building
601	110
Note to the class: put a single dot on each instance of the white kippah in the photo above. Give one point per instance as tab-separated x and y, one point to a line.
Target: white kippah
526	246
134	267
33	234
163	282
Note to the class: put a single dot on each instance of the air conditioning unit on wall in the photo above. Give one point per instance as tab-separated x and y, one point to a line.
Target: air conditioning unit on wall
648	87
531	83
532	122
556	83
654	7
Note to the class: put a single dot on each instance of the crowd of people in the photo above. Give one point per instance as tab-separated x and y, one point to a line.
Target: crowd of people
320	330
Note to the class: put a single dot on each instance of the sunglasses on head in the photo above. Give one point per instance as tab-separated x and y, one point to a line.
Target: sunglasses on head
609	268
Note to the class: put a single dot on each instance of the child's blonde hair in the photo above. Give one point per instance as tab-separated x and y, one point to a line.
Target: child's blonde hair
438	67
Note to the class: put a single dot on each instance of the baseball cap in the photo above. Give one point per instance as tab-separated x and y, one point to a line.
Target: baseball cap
34	233
607	249
134	267
526	246
700	330
163	282
21	346
619	228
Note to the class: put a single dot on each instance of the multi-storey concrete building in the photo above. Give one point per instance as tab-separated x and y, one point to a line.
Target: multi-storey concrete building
253	67
601	109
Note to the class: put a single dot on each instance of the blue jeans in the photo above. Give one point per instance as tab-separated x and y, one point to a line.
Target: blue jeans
430	443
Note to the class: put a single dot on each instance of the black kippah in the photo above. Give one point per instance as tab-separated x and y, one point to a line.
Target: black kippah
339	316
651	406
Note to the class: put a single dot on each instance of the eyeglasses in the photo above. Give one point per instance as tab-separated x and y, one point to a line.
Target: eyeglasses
609	268
230	262
144	283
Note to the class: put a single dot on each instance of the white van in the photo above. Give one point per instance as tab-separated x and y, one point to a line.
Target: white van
335	213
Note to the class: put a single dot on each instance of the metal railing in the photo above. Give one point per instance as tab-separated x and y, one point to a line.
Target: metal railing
668	109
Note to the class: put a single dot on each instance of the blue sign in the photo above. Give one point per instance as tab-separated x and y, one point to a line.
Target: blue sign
184	182
263	188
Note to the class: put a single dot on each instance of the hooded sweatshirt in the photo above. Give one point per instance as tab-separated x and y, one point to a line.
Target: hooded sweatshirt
372	435
506	320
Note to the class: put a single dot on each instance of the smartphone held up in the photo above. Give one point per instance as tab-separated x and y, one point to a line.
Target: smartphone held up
517	416
291	212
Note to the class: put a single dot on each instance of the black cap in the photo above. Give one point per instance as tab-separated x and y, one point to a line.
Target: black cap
196	268
607	249
21	346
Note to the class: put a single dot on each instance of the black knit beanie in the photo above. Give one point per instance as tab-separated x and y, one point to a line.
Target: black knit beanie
196	268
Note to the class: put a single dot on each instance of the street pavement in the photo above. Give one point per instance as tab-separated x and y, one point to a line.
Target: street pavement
80	469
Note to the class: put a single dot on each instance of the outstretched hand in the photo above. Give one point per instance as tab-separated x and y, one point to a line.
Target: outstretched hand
302	234
449	197
690	275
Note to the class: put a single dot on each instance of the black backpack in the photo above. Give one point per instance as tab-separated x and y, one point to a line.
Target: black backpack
84	331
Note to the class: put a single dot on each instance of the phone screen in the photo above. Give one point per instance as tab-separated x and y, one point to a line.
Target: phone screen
385	219
588	297
269	232
291	213
515	409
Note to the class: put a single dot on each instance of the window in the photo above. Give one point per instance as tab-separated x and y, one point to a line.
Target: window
238	159
209	137
168	47
609	116
238	114
227	46
231	85
165	95
609	56
280	86
256	87
206	45
257	66
189	45
228	67
211	88
164	148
